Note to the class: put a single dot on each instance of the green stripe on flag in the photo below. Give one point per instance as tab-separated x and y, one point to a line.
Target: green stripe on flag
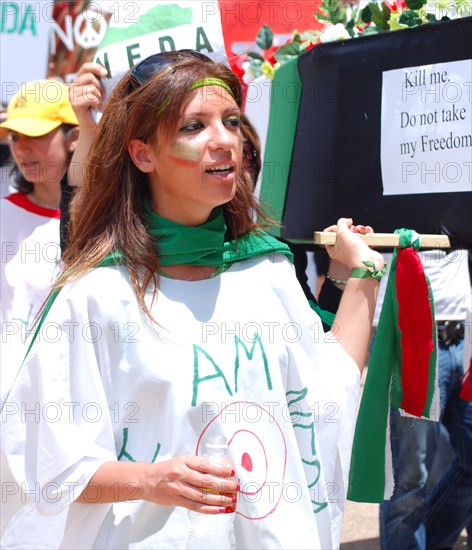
367	473
158	18
286	91
383	388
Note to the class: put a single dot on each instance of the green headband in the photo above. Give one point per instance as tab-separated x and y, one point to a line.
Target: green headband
211	82
199	84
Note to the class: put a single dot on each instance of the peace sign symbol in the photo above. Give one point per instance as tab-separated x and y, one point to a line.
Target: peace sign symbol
89	37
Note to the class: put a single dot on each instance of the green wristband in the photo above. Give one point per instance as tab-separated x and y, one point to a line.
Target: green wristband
364	272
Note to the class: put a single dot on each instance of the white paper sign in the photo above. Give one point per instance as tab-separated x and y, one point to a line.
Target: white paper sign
426	133
155	27
24	42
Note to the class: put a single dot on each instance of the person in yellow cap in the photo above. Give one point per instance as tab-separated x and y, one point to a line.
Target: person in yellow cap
41	129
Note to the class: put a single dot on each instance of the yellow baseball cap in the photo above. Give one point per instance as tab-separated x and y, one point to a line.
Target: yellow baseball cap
38	108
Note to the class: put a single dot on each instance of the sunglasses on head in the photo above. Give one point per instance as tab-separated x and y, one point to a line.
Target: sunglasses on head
148	67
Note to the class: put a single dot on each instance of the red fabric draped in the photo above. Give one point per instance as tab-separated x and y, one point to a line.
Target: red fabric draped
415	321
466	390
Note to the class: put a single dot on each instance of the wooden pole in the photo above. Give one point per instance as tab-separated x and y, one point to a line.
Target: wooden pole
385	239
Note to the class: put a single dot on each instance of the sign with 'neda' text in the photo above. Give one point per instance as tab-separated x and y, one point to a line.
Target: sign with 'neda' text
155	27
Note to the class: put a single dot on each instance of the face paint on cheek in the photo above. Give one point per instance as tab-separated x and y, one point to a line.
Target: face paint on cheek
186	155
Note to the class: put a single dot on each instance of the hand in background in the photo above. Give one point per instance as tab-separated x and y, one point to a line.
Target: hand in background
86	94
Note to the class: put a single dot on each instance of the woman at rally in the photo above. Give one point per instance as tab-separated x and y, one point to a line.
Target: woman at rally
178	318
41	129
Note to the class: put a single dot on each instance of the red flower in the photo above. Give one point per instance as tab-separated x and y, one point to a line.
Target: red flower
395	5
268	55
236	64
310	44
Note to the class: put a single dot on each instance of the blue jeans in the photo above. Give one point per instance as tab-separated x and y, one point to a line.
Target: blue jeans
431	505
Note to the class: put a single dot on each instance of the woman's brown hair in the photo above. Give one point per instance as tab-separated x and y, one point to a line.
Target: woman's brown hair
107	212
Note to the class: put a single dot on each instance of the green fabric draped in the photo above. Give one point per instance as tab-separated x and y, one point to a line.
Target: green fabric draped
382	390
280	139
205	244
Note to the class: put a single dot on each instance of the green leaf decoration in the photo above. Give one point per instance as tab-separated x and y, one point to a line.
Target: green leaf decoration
386	15
292	48
282	59
309	36
410	19
380	16
265	38
255	55
350	27
255	66
373	30
331	11
287	52
415	4
432	18
366	14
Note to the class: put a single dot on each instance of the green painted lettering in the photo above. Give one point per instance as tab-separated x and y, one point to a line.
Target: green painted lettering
29	21
299	396
132	56
311	464
105	63
197	379
249	354
166	44
9	15
202	42
310	427
124	453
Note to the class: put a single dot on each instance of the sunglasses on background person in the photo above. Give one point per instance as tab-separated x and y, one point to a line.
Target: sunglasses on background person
148	67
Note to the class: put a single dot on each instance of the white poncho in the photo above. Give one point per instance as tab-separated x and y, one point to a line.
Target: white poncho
240	354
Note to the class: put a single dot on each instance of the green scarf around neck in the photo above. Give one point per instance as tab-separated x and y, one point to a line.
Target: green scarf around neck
205	244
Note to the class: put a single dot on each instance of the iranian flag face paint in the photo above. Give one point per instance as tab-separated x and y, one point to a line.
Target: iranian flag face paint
184	154
198	168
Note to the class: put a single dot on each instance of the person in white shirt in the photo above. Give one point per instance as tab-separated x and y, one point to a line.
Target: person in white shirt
41	129
177	317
